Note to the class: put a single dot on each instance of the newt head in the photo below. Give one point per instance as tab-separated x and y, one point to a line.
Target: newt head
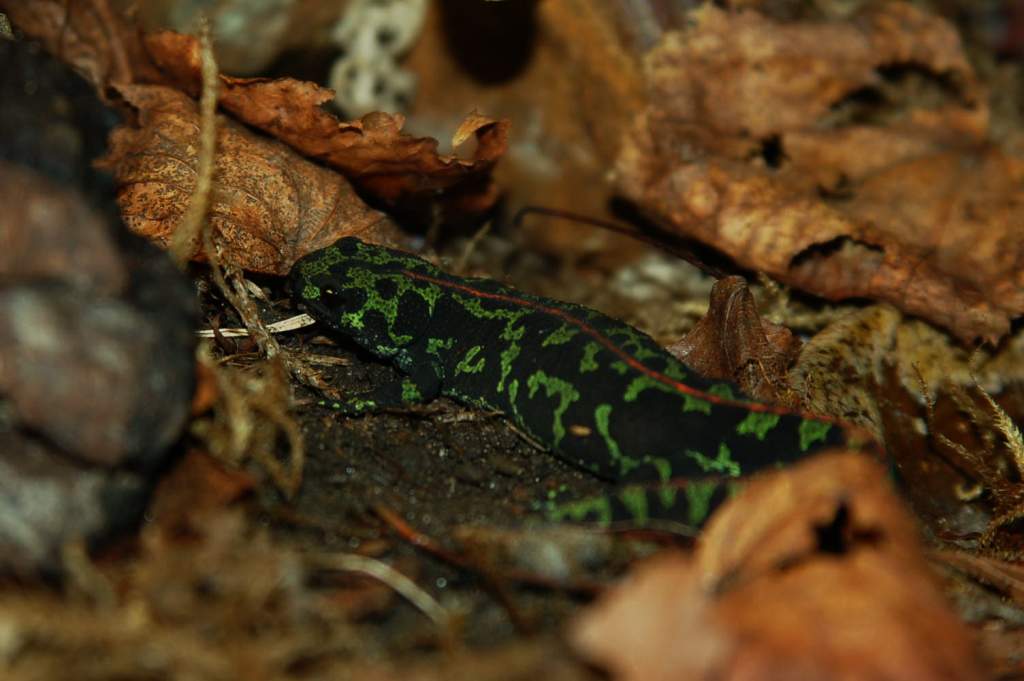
320	281
363	291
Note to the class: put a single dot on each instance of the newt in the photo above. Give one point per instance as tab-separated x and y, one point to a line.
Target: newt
599	393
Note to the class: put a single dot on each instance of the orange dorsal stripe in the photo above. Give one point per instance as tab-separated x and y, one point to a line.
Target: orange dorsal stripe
610	345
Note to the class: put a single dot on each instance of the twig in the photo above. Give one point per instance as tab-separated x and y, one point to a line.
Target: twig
293	323
679	248
193	225
467	252
381	571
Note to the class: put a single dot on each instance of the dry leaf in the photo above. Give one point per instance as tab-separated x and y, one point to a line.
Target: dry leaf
269	207
757	142
397	169
811	573
732	343
372	151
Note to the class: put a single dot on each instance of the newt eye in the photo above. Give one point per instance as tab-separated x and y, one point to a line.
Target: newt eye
332	297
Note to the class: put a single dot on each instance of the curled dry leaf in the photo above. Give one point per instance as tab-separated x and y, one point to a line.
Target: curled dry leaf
758	141
373	151
732	343
811	573
269	205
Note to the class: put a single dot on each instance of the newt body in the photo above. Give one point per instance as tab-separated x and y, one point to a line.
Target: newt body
600	393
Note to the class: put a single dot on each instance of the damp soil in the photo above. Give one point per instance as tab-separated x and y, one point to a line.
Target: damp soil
436	465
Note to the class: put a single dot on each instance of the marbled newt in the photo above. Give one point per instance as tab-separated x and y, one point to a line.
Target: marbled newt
600	393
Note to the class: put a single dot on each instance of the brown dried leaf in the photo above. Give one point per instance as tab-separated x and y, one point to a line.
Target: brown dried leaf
269	205
87	35
811	573
754	143
731	342
372	151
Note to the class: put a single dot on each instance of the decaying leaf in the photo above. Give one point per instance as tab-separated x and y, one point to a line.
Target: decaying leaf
731	342
813	573
761	140
270	206
372	151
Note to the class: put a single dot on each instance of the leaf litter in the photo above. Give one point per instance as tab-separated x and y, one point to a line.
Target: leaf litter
776	143
155	162
372	151
796	177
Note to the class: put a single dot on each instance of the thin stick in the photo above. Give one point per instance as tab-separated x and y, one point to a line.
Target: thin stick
293	323
185	241
679	251
381	571
471	245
